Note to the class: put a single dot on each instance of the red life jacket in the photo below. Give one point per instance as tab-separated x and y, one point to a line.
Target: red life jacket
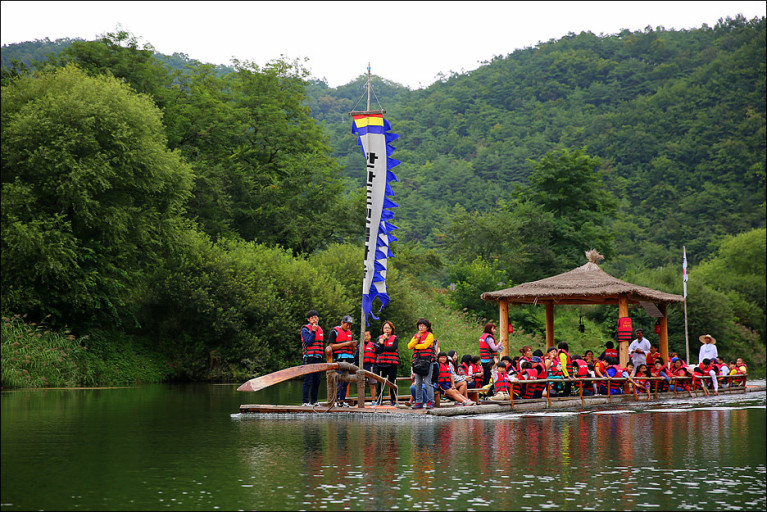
465	369
341	337
568	361
369	353
641	381
624	330
528	390
662	384
583	368
522	360
316	348
717	369
485	352
614	385
555	368
502	383
701	371
681	372
611	352
423	352
444	373
388	356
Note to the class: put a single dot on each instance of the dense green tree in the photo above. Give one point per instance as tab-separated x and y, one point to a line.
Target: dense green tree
569	186
91	195
738	270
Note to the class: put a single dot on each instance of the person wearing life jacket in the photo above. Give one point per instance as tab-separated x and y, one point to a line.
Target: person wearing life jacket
651	356
466	369
477	371
527	355
459	376
720	369
742	367
614	371
446	382
422	345
733	371
641	383
588	356
528	373
502	385
312	343
538	366
704	370
342	346
488	351
566	365
679	369
581	371
387	357
369	362
670	362
609	351
659	370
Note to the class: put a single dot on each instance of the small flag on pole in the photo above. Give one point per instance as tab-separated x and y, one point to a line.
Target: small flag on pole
684	272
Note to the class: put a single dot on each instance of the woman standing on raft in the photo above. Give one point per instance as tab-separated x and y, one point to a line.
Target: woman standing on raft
387	358
422	345
488	351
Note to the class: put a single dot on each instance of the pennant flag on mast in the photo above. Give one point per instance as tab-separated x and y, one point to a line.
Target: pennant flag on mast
684	273
372	134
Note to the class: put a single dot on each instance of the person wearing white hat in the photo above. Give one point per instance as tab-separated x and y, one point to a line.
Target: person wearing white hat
708	349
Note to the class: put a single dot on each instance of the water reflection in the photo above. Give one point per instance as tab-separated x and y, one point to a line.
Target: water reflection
179	449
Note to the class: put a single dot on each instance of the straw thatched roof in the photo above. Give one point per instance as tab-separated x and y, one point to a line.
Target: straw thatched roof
587	284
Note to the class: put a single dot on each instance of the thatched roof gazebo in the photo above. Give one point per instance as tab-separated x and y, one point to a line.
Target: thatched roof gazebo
587	284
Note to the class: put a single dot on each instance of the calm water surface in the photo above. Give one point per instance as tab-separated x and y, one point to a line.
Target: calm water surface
184	447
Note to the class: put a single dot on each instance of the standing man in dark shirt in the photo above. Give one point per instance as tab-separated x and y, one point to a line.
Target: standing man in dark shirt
312	340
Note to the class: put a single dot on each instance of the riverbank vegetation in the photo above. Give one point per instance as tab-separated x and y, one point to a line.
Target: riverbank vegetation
178	219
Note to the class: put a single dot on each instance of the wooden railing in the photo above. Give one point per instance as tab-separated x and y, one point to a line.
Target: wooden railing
693	387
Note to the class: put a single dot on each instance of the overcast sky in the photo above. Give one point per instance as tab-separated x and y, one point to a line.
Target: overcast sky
407	42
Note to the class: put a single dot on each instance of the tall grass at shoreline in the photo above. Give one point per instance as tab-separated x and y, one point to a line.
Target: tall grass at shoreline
35	356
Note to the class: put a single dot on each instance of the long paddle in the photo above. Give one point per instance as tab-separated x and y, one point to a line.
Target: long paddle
265	381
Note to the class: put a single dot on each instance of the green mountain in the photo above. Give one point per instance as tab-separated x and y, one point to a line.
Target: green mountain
676	117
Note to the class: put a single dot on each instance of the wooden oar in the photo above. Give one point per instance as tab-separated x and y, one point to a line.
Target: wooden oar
265	381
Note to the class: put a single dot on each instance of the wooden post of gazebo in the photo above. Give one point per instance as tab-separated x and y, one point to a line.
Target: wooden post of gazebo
550	325
504	326
663	336
623	346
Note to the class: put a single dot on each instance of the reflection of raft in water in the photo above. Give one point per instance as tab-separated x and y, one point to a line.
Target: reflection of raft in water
351	373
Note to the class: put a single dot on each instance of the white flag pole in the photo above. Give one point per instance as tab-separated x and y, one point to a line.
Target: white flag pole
684	294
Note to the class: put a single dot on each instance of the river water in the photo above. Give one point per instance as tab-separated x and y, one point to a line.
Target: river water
185	447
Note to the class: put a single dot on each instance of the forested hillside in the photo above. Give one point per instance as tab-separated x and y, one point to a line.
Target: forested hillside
677	119
185	216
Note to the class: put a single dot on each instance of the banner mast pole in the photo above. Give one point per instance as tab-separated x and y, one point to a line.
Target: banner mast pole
684	284
363	319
